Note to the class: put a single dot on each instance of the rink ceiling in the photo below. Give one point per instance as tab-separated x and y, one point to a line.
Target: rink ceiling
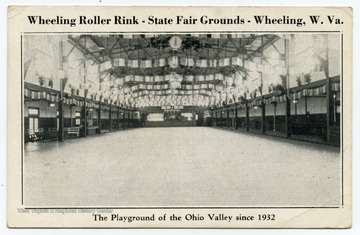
85	84
181	167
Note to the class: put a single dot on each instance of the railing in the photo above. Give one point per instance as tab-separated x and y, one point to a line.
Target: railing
53	132
72	131
34	131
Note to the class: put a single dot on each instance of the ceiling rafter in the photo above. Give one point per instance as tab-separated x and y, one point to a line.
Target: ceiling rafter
263	46
84	50
99	45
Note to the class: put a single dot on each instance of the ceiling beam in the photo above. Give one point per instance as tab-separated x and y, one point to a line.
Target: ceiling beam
263	46
83	49
99	45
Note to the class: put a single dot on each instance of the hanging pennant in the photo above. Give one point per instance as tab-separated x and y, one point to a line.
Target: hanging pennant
138	78
148	79
189	78
218	76
128	78
236	61
200	78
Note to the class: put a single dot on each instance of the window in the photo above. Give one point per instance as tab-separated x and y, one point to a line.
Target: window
33	119
90	118
57	119
34	111
33	123
77	118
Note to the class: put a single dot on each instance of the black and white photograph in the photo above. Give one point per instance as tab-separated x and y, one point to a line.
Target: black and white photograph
182	120
207	125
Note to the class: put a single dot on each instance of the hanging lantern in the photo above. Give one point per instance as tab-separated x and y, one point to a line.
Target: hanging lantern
175	85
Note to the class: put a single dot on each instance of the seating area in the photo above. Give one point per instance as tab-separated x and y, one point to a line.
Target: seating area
53	133
35	134
72	131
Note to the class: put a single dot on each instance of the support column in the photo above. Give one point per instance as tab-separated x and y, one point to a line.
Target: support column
123	118
132	119
247	116
84	103
84	116
212	118
61	98
263	128
236	117
287	117
117	119
221	117
227	117
110	118
274	126
328	92
99	116
71	116
129	119
215	119
287	100
145	118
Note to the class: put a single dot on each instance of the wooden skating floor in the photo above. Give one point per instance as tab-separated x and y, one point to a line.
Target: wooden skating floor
182	167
